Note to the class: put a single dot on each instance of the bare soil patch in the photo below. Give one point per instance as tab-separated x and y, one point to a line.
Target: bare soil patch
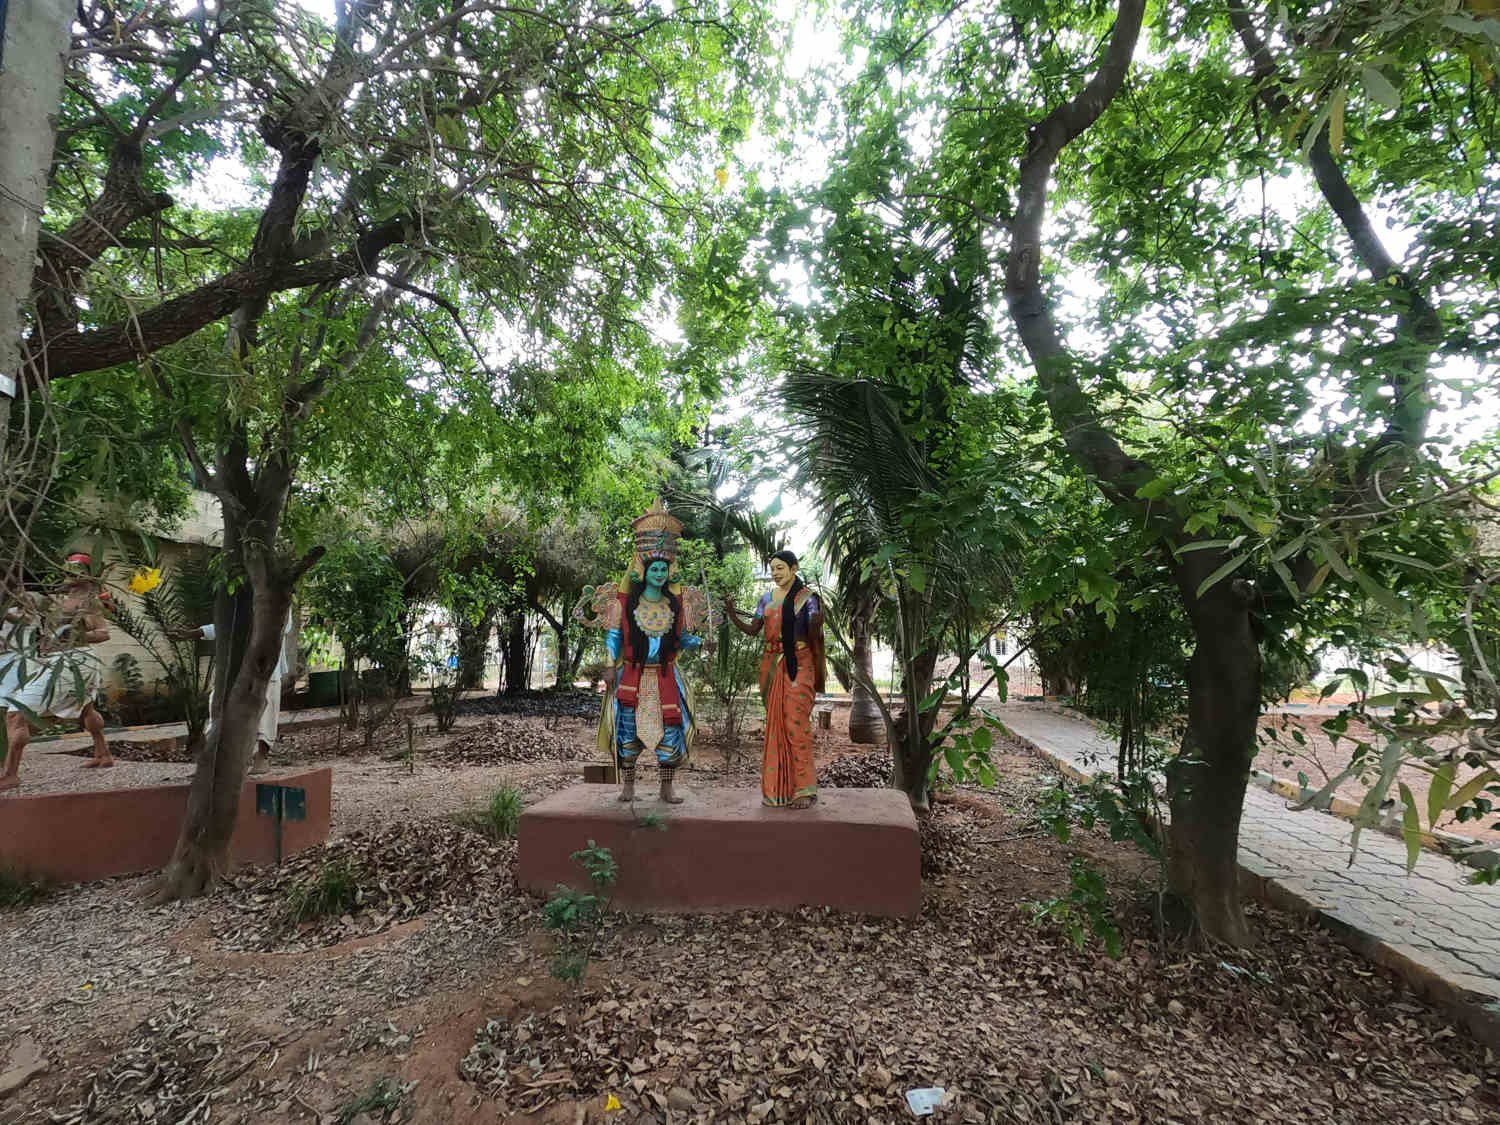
148	1014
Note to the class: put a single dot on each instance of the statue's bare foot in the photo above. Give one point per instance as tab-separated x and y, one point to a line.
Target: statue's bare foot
625	796
672	799
9	781
99	763
804	803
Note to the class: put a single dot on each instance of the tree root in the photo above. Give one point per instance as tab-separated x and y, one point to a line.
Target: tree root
185	877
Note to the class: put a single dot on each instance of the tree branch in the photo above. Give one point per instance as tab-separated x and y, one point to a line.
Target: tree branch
1085	435
74	352
1407	419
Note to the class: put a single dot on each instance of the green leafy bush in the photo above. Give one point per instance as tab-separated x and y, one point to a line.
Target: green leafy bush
334	890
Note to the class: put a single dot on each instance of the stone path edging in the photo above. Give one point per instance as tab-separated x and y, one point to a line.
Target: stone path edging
291	721
1432	928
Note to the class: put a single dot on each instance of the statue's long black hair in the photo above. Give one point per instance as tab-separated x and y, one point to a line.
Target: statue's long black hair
789	616
639	642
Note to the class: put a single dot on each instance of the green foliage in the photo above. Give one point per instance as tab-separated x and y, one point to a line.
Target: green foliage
387	1097
920	516
498	817
434	659
730	672
359	592
127	671
571	910
19	890
503	813
577	916
1426	720
1086	909
182	603
333	891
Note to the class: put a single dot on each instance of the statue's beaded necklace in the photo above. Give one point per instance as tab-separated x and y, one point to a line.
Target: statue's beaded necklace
654	618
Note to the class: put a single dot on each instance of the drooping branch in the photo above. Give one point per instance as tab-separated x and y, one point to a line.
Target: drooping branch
1407	418
1072	412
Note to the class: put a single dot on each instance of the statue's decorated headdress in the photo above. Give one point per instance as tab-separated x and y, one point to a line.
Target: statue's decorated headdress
656	534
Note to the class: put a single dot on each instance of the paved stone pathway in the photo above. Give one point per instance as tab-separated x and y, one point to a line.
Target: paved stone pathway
1431	918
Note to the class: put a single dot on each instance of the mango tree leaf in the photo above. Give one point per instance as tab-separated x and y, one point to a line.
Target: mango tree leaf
1379	87
1411	828
1471	789
1437	792
1222	573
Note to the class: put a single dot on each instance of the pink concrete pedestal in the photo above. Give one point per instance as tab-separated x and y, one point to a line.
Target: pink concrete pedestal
857	850
74	837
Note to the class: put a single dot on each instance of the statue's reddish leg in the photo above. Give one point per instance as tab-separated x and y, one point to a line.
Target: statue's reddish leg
18	734
93	722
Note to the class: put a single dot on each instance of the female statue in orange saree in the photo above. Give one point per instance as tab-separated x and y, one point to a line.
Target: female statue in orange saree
793	669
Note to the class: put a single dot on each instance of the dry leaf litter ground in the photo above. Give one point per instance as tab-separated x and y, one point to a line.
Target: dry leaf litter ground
429	1000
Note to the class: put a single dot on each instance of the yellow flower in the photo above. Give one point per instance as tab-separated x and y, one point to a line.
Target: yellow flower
144	580
611	1104
722	175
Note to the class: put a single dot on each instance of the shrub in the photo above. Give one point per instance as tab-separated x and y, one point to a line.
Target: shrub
503	813
334	890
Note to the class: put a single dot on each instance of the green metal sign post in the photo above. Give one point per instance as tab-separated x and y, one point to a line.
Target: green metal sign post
283	802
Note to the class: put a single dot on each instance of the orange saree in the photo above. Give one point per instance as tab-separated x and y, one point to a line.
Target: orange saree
787	773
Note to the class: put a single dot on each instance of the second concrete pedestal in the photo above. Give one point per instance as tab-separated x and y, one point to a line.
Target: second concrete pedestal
857	850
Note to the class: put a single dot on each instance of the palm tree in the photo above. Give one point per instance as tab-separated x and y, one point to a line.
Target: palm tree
872	479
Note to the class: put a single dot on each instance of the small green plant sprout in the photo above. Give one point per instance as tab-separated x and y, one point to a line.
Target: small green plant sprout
333	891
386	1099
599	863
1084	910
577	916
503	813
19	890
498	818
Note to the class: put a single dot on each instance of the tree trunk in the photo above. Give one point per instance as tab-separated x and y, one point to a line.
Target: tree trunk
514	645
202	853
566	666
865	723
564	675
473	641
31	77
1206	781
911	756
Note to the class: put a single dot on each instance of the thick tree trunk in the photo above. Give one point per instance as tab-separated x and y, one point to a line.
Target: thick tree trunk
514	645
202	853
865	723
473	643
1206	781
31	78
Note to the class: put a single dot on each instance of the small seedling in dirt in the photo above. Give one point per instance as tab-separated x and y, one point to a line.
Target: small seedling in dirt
333	891
652	820
570	911
386	1098
499	819
1085	910
578	915
19	890
503	813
